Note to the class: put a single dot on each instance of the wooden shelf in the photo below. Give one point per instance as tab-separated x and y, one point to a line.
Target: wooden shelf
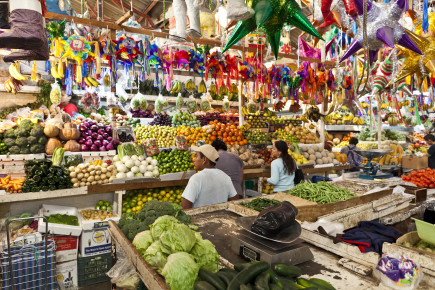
24	89
16	197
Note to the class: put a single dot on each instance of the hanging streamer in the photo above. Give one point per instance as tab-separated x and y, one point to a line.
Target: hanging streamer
425	24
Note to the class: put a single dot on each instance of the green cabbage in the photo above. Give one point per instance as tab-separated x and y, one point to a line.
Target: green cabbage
154	256
161	224
142	241
177	238
205	255
180	271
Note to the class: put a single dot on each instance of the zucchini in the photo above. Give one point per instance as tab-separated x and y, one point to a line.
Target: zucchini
226	277
228	270
306	283
289	271
211	278
322	283
262	281
274	286
203	285
243	266
274	278
246	287
248	275
289	284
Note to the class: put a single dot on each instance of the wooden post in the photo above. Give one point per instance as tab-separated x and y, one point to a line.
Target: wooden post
241	98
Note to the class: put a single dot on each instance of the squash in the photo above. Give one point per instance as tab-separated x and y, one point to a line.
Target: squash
51	131
69	132
52	144
72	146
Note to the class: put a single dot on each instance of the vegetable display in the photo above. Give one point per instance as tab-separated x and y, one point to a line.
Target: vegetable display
42	175
12	185
320	192
318	155
96	137
367	135
135	166
421	178
63	219
259	204
134	200
85	174
421	245
93	214
174	161
248	157
26	138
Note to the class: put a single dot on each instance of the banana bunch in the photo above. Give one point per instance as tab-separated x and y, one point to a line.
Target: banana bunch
300	159
190	86
348	117
405	103
343	107
176	87
393	158
384	106
245	126
212	89
358	121
12	85
15	72
223	90
55	72
90	81
424	107
336	116
245	111
106	80
364	105
411	110
202	88
268	113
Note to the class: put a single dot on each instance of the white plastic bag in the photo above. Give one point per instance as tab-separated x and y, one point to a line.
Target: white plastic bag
123	274
205	103
179	102
191	104
55	94
225	105
160	103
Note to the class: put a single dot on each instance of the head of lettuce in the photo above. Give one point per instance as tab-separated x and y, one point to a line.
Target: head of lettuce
180	271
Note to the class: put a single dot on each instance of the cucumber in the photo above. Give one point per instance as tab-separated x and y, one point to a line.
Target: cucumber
306	283
241	267
228	270
322	283
289	271
248	275
203	285
211	278
262	281
246	287
289	284
274	278
226	277
274	286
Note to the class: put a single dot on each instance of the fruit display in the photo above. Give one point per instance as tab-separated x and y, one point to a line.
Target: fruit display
171	161
257	121
96	137
341	158
392	119
421	178
181	118
161	119
195	134
393	158
129	165
367	135
285	136
267	188
141	114
163	134
266	155
318	154
229	133
343	117
26	138
255	136
248	157
299	158
133	122
85	174
421	245
102	211
206	118
134	200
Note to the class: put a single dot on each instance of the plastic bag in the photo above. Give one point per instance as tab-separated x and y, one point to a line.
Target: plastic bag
123	274
160	103
205	103
73	160
55	93
139	102
331	228
272	220
179	103
181	143
252	107
151	147
225	105
191	105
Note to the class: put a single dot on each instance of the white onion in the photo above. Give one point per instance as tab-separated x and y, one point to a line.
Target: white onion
122	168
141	158
135	169
143	168
120	175
134	157
149	159
148	174
138	175
125	159
116	158
155	172
154	162
150	168
129	163
130	174
137	163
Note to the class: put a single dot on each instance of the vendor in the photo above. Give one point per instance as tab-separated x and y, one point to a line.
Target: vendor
282	169
430	140
229	163
351	152
210	185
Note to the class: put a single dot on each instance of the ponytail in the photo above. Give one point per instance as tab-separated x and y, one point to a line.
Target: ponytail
289	162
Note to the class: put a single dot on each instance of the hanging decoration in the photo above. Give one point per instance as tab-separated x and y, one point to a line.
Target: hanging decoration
79	49
127	50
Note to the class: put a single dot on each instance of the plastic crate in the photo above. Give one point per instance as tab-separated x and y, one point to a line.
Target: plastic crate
316	179
93	269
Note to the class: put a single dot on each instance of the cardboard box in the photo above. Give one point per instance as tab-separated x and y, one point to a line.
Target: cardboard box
67	272
59	229
66	248
414	162
95	242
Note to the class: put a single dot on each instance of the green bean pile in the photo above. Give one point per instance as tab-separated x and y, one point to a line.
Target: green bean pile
321	192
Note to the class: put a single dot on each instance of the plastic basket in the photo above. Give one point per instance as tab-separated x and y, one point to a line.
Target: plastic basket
316	179
425	230
92	270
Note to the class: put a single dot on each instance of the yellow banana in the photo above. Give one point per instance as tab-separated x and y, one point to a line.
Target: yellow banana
14	70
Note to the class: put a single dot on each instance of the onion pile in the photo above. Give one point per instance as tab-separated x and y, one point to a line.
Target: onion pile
96	137
135	166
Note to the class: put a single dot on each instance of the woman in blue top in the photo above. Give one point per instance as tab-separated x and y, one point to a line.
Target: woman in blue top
282	169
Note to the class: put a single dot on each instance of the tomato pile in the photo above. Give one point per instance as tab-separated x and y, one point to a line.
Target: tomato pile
421	178
229	132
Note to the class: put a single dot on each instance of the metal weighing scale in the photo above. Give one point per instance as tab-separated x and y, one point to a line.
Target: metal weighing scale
370	170
286	247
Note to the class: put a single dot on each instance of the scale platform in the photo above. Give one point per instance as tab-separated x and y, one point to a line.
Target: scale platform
373	177
254	248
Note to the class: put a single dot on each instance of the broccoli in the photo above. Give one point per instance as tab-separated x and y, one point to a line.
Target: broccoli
125	218
32	140
21	132
42	140
26	125
9	133
24	150
37	148
9	142
21	141
37	131
14	150
134	227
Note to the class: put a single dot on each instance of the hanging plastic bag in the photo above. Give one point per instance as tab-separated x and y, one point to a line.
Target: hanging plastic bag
151	147
135	103
160	103
179	103
143	103
252	107
192	105
225	105
181	143
55	93
205	103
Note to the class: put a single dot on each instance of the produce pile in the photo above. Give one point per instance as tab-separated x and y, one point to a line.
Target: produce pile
206	118
131	162
393	158
229	132
164	135
26	138
85	174
255	136
63	219
318	154
258	275
12	185
284	136
266	155
320	192
133	122
95	214
302	134
176	251
194	134
421	178
186	119
259	204
171	161
267	188
3	147
94	137
421	245
362	146
367	135
134	200
141	114
161	119
248	157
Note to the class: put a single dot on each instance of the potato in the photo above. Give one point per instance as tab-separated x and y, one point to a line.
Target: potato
76	185
72	174
86	175
92	173
88	183
91	178
97	177
74	180
80	175
82	183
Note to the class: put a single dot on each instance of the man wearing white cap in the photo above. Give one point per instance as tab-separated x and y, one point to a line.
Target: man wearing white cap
210	185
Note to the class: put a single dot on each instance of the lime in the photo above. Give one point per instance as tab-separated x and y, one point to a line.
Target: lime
97	207
103	207
132	204
100	202
128	210
107	204
109	208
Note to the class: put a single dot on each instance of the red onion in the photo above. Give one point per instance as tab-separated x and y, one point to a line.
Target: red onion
94	128
84	147
94	148
88	143
97	143
102	148
104	143
110	146
82	141
100	131
99	137
105	136
94	135
109	138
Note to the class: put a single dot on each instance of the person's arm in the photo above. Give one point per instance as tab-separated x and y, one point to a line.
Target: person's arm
185	204
431	150
236	197
274	174
344	150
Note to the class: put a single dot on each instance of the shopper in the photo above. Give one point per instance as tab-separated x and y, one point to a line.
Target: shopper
210	185
351	152
229	163
430	140
283	168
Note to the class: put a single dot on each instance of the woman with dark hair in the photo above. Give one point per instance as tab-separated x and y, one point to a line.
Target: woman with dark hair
229	163
282	175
